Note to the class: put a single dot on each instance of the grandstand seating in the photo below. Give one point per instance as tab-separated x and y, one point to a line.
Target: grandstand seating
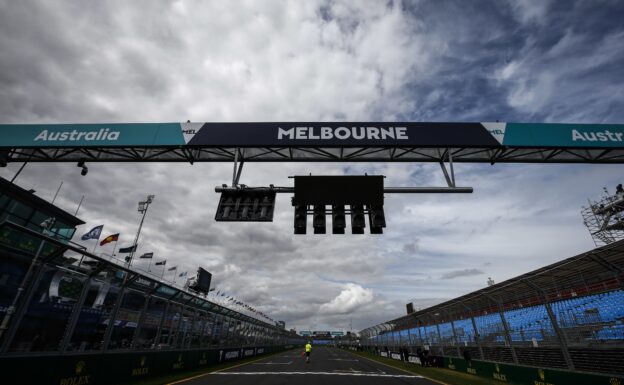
568	315
464	331
490	328
597	318
593	317
530	324
446	333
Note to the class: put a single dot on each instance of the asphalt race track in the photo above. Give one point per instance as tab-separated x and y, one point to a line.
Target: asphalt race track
327	367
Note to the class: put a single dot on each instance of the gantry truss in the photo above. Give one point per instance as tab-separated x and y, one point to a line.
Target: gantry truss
193	154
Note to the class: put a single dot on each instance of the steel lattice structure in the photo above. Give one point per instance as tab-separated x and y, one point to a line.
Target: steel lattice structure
318	154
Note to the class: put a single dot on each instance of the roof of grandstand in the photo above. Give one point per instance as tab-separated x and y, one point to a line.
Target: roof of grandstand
591	272
30	198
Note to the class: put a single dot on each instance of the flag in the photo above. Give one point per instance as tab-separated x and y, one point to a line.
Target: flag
129	249
213	289
109	239
183	274
172	268
94	233
161	263
147	255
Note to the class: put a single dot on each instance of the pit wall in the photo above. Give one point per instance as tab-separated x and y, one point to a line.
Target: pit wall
116	368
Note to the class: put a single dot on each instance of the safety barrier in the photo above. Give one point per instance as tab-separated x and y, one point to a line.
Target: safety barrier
521	375
115	368
507	373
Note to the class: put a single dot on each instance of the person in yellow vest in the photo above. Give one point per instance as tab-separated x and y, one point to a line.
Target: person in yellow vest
308	350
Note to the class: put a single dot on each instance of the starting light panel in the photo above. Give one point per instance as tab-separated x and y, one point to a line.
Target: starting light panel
318	219
246	206
377	219
339	190
338	219
301	219
358	223
362	193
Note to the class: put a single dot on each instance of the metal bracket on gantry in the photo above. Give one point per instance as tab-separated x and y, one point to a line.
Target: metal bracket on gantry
449	176
450	179
238	167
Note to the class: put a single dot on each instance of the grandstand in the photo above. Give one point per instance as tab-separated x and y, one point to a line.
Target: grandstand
568	315
59	300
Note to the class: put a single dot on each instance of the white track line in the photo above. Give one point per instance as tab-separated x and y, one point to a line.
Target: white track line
356	374
273	363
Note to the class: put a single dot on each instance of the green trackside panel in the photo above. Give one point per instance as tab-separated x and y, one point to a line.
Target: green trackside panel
526	375
106	368
564	135
91	135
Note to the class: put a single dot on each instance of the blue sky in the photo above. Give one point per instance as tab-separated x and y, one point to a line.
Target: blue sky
514	61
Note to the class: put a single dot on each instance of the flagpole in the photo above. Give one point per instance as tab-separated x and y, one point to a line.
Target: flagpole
162	276
97	240
79	204
114	248
150	263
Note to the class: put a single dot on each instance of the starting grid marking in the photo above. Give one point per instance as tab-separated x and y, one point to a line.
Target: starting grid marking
356	374
342	359
273	363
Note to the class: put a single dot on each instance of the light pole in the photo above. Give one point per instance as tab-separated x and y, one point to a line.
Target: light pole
143	206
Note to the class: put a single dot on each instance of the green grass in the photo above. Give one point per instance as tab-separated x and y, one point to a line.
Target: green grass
182	375
446	376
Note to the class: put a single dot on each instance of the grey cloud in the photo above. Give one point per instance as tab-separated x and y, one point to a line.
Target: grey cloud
410	247
461	273
413	61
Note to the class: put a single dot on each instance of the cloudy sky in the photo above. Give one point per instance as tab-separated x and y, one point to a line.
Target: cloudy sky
222	61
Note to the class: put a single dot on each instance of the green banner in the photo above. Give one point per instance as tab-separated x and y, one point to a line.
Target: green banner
91	135
94	369
526	375
563	135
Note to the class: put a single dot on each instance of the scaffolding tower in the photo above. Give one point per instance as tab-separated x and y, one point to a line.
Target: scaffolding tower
605	218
